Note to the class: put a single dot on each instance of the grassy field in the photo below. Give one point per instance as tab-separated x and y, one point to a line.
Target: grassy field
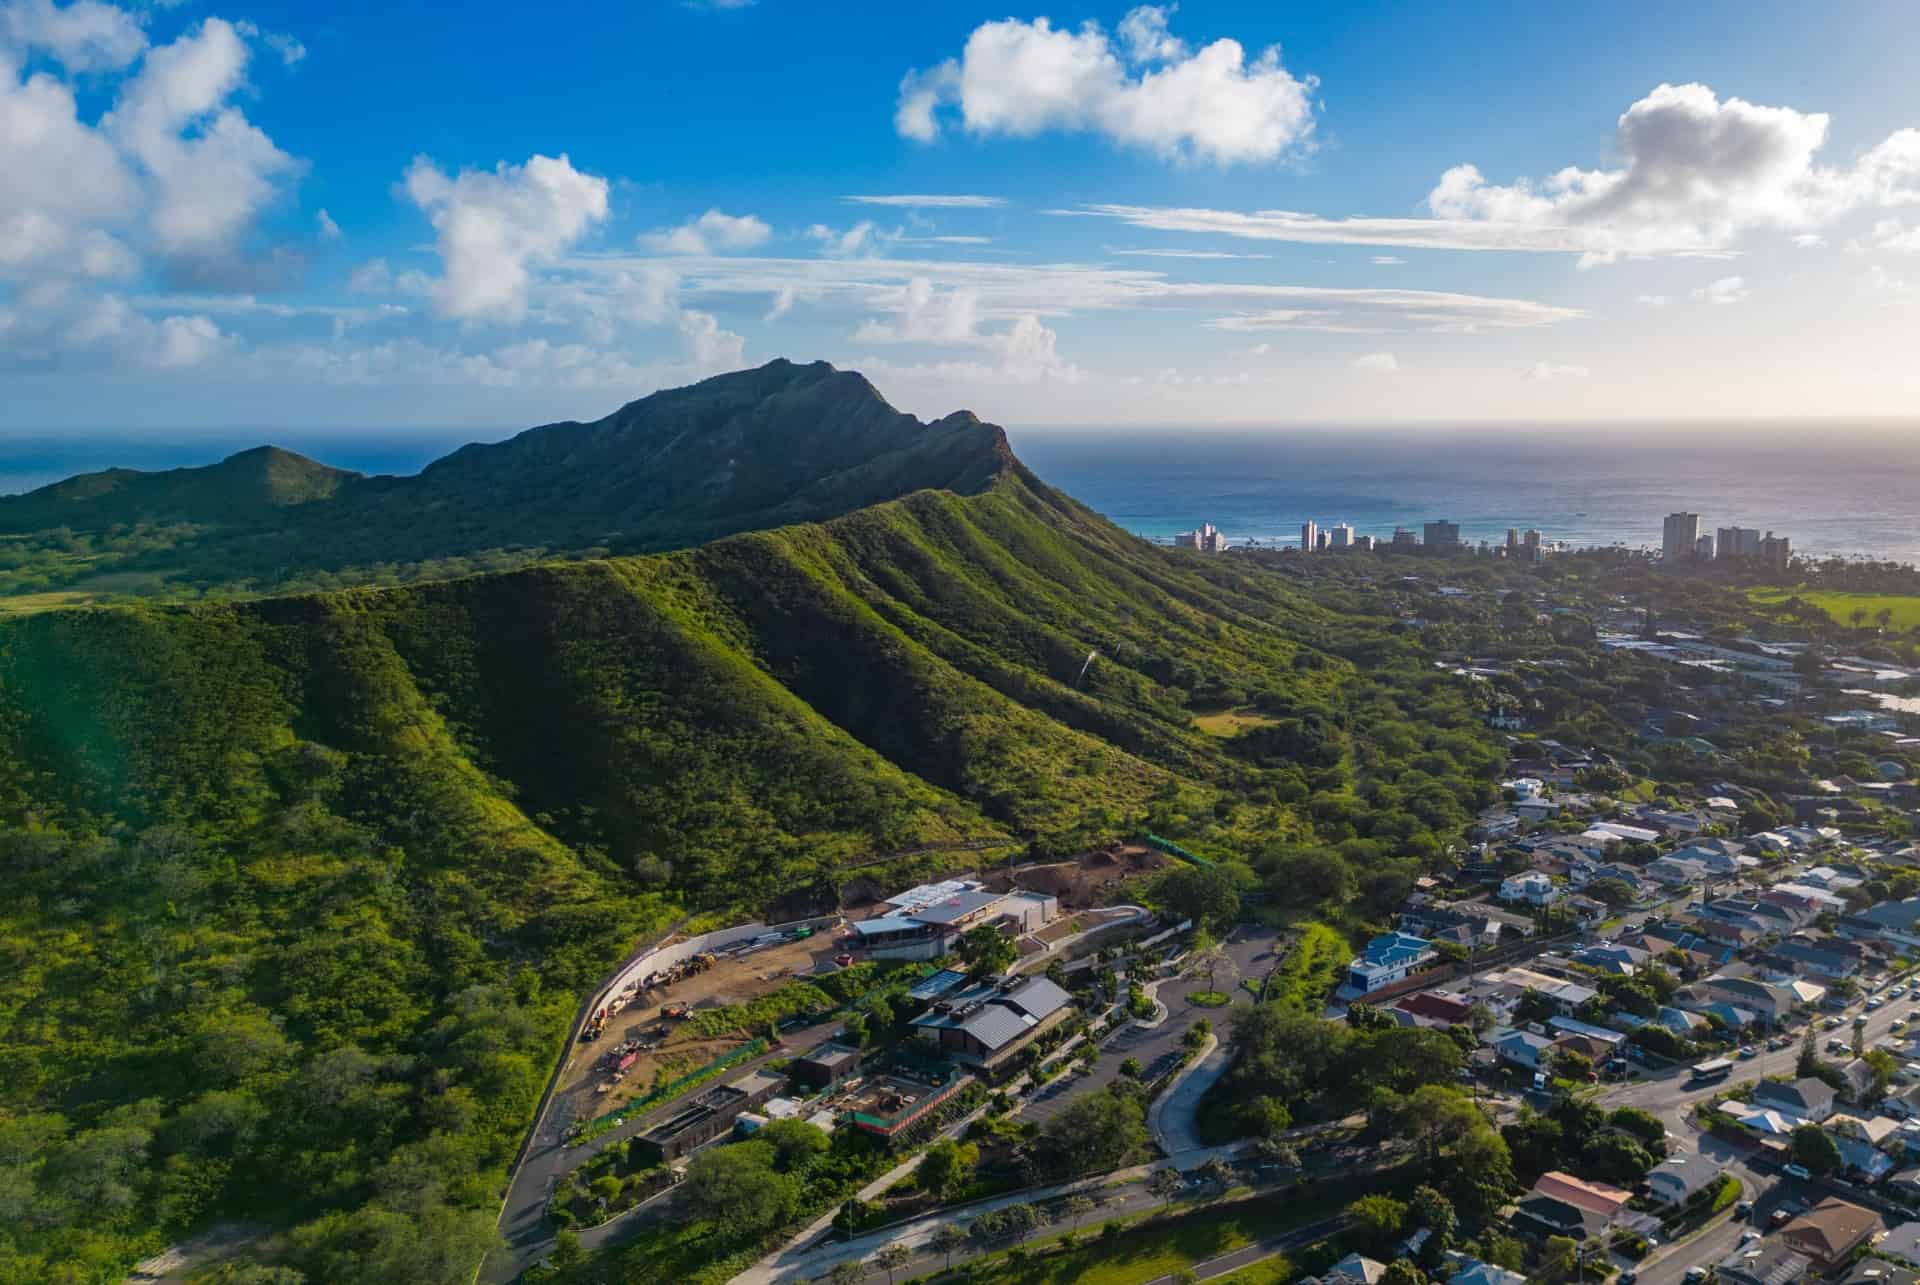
1145	1251
1905	608
1311	970
1232	722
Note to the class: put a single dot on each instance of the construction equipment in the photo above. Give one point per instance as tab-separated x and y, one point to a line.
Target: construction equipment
676	1012
596	1025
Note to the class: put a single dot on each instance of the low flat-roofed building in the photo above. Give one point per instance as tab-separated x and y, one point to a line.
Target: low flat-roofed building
825	1065
707	1116
986	1024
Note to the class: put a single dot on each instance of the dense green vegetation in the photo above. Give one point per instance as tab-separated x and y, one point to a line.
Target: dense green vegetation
305	889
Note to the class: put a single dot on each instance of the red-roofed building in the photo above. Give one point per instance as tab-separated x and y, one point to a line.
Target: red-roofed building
1594	1197
1435	1007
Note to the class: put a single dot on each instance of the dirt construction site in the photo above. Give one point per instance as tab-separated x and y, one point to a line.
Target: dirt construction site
653	1029
656	1032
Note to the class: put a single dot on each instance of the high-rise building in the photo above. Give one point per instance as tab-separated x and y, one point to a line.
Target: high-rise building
1513	540
1703	549
1442	535
1365	542
1736	543
1341	536
1405	539
1776	551
1208	539
1677	537
1309	536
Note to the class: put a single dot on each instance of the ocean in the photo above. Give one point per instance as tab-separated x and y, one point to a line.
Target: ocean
1831	491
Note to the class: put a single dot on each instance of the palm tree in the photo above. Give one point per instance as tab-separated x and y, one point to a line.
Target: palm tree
892	1259
947	1238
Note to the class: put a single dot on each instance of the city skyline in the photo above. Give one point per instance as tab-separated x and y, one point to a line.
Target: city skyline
247	215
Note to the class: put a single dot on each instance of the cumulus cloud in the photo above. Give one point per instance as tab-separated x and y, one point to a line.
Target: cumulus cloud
1140	88
1556	370
861	236
1384	363
494	226
328	229
919	313
1891	234
709	346
711	232
84	36
931	202
1724	291
1695	174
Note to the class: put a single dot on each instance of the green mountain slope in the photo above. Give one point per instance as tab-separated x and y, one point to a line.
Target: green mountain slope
304	889
754	449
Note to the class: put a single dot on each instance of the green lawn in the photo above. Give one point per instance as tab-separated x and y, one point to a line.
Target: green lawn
1232	722
1156	1248
1311	969
1905	608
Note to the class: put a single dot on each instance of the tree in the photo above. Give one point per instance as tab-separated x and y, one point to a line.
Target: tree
1432	1210
1165	1183
1645	1126
1207	895
985	952
1210	957
1217	1173
567	1252
737	1189
892	1259
1131	1068
848	1273
943	1167
1559	1258
1613	1158
1808	1067
946	1238
1268	1117
1077	1207
1402	1272
795	1143
1377	1220
1815	1151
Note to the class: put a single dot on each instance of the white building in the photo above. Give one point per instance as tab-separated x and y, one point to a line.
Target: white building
1533	888
1390	959
1679	534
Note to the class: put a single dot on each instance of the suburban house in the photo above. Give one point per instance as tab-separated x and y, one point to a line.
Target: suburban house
1807	1099
1594	1197
1830	1231
1675	872
1770	1000
1768	1262
1902	1243
1471	926
1674	1181
1471	1271
1435	1008
1540	1217
1878	1271
1897	922
1522	1048
1532	888
1351	1270
1389	960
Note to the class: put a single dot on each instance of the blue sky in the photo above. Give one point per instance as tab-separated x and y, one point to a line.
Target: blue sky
283	216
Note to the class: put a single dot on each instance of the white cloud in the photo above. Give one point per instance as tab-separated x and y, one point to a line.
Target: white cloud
1384	363
1366	311
842	245
329	230
1724	291
63	182
1260	350
494	225
709	347
1696	173
952	240
782	304
1387	260
1891	234
1809	240
211	171
1189	254
1651	300
711	232
1554	370
1148	90
84	36
919	313
931	202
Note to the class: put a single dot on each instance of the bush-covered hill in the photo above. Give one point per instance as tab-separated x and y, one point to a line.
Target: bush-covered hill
304	890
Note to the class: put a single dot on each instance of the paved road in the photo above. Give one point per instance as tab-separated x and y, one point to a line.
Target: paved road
1159	1048
524	1220
1671	1095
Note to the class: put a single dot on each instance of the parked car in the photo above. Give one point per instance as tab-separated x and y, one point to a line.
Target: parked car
1796	1171
1743	1210
1697	1273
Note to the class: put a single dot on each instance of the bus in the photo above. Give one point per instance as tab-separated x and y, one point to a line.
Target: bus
1707	1072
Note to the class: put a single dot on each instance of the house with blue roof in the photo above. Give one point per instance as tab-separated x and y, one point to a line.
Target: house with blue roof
1389	960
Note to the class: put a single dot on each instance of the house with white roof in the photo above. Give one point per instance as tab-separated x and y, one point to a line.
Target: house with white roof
1532	888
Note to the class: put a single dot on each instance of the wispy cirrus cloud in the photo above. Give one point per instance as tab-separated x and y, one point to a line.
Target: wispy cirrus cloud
913	202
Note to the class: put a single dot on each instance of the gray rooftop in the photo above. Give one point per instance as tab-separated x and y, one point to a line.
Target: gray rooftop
996	1026
1038	997
956	907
